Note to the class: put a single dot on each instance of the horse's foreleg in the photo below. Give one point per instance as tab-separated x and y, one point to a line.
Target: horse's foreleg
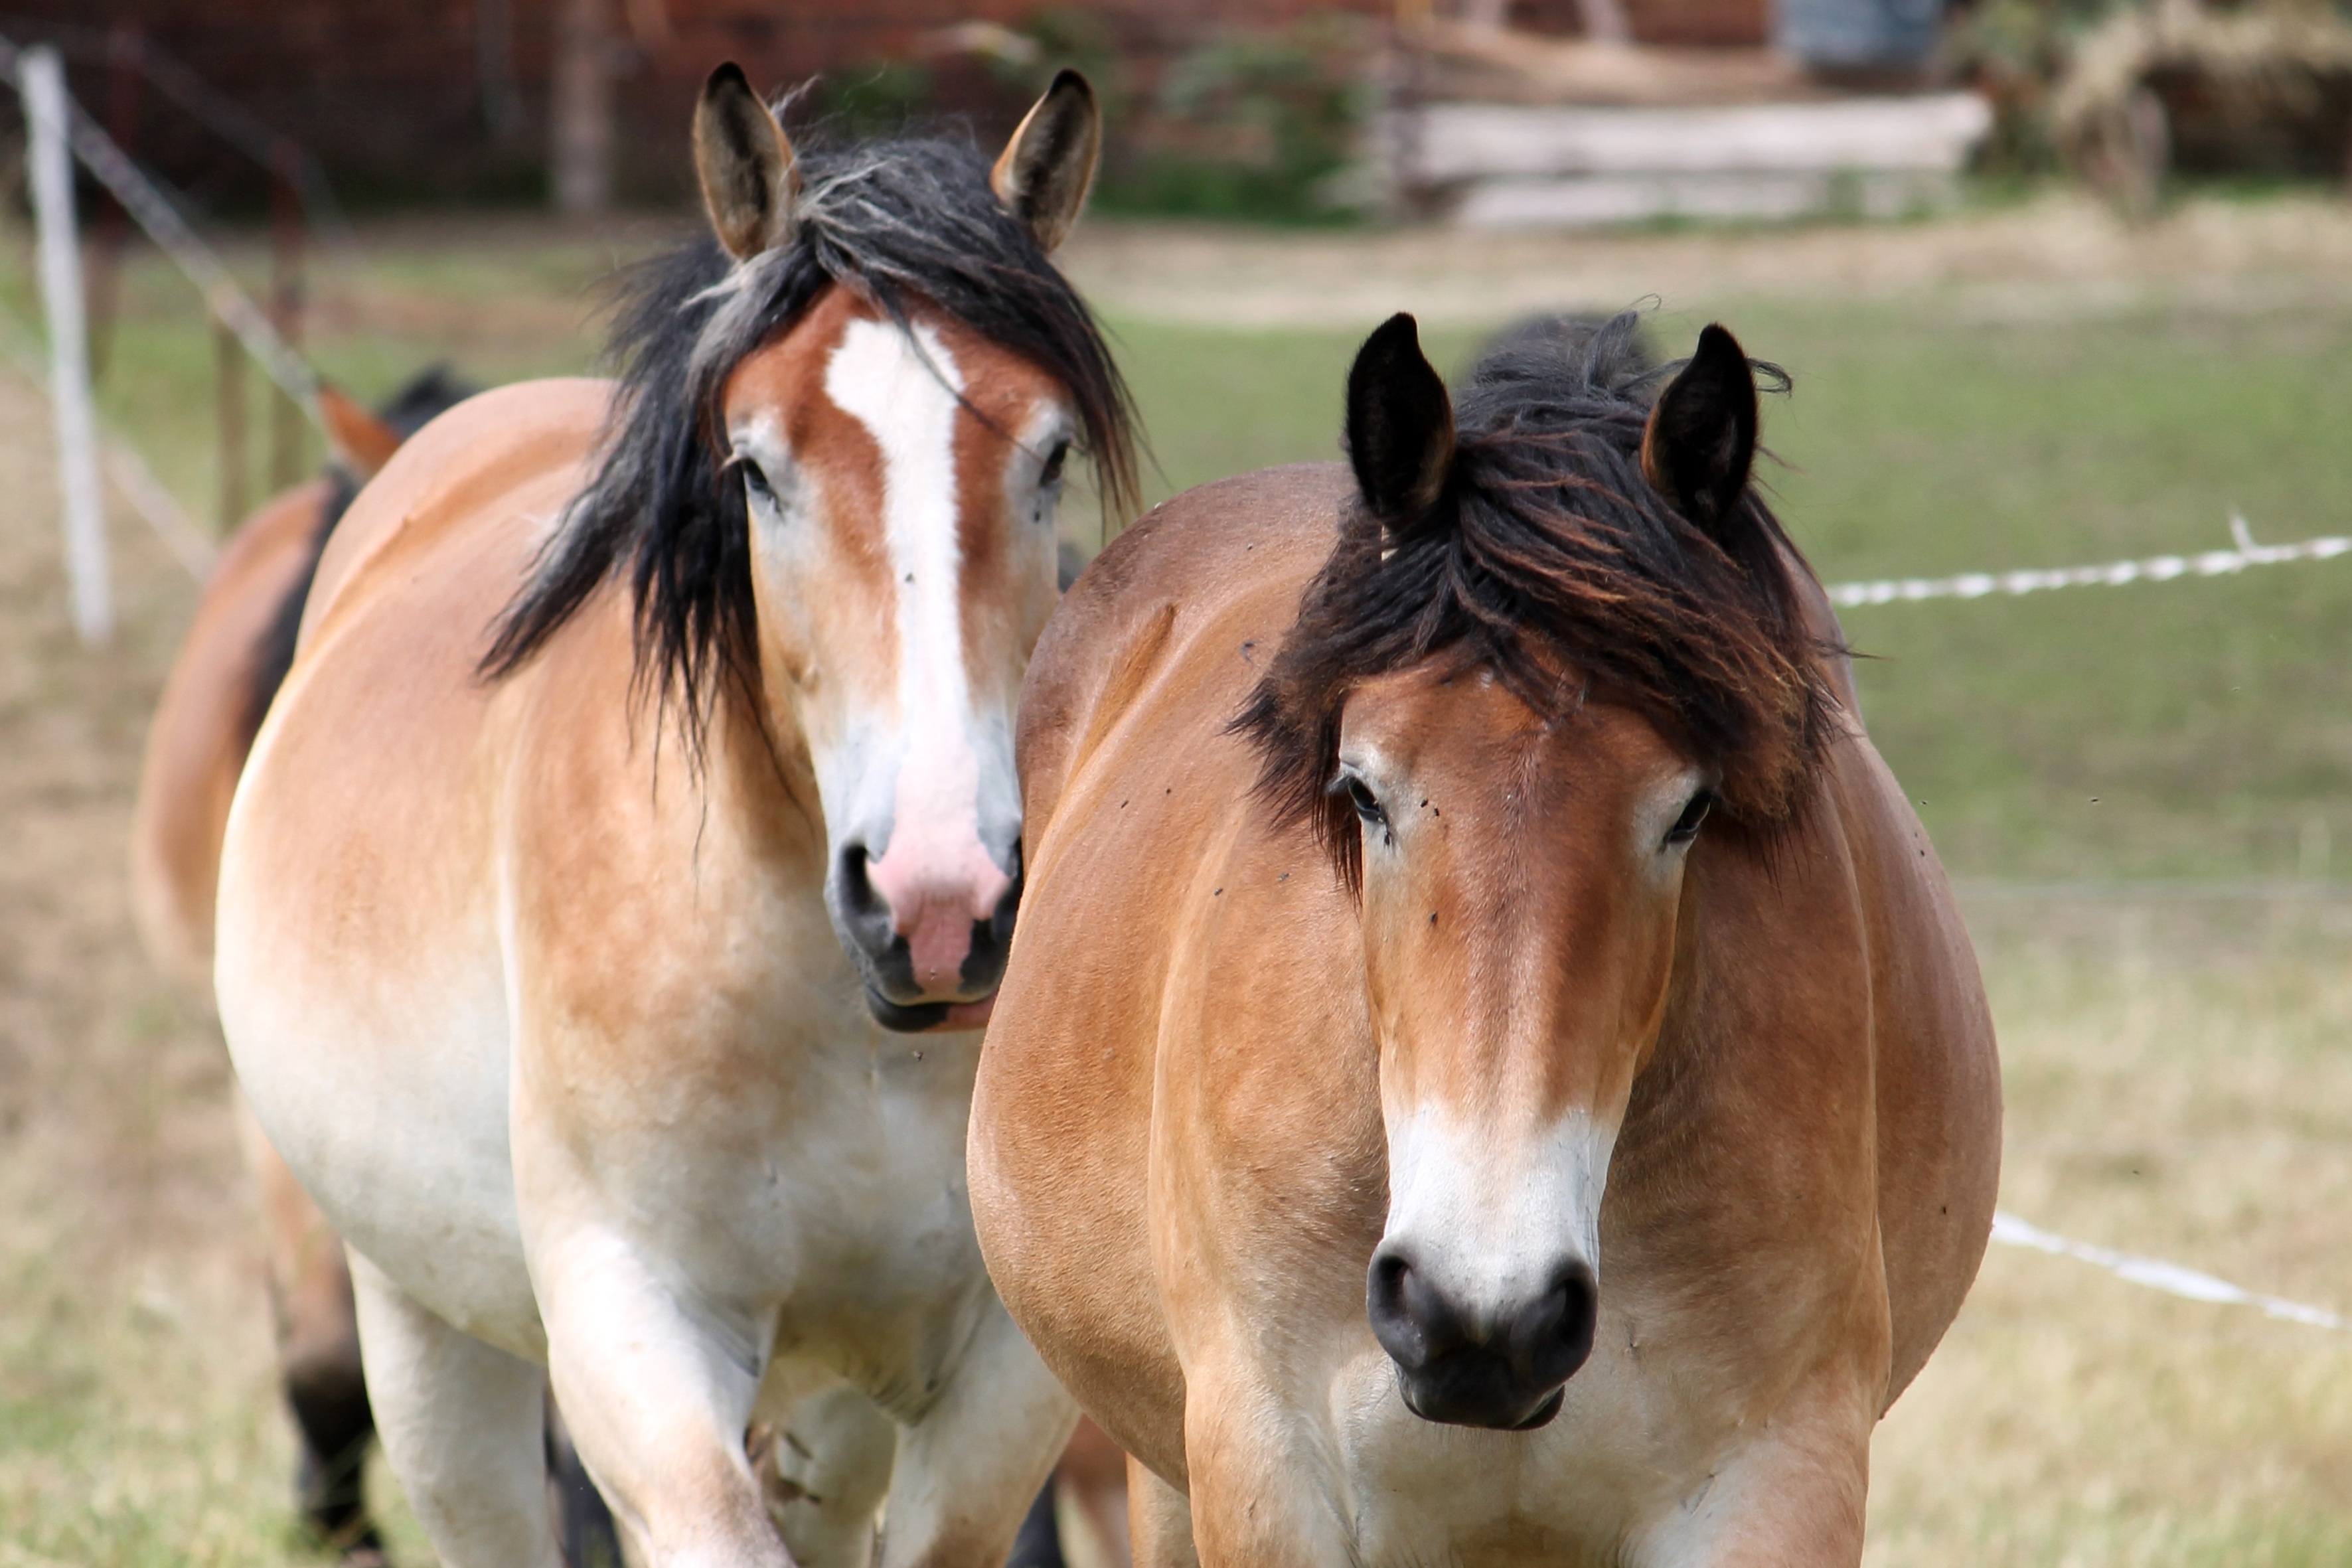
970	1469
1159	1521
657	1393
1260	1488
464	1427
1795	1493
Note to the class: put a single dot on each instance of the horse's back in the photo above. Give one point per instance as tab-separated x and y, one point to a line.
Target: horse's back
1243	546
197	740
485	466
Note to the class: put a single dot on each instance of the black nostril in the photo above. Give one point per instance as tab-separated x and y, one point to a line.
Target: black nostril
991	938
864	913
1549	1338
857	887
1414	1323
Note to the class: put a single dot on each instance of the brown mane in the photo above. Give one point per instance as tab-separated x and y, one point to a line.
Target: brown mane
1551	561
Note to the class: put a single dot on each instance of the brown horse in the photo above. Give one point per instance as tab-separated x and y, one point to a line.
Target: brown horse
641	793
1491	1071
237	649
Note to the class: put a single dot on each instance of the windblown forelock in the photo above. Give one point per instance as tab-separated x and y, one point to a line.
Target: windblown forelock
1562	572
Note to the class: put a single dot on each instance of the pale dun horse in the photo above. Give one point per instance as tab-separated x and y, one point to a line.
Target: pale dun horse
1491	1071
614	892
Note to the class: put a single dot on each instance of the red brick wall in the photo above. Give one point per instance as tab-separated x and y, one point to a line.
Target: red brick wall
389	96
1698	24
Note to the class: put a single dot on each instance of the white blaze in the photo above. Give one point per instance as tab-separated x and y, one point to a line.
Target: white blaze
1486	1217
936	869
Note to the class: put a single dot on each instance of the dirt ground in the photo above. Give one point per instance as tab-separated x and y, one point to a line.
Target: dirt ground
2054	255
134	1346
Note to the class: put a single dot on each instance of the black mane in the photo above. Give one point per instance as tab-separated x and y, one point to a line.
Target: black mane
903	221
427	395
1560	568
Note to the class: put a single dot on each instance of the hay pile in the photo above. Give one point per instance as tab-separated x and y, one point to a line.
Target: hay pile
2266	90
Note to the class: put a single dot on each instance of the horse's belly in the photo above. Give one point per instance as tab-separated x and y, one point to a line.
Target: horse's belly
387	1097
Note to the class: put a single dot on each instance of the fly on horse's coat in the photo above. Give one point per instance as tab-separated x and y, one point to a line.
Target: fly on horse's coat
1491	1071
642	789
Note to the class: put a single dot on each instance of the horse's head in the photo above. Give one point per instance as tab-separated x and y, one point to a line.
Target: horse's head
830	479
900	464
1550	643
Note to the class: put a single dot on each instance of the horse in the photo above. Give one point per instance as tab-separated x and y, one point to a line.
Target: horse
618	884
239	644
1491	1070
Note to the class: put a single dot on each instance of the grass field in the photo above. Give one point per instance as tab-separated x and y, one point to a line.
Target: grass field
2177	1072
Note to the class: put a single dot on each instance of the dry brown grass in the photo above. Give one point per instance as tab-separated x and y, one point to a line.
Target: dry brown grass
2179	1084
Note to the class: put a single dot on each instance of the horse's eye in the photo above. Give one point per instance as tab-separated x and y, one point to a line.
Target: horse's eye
1367	804
1052	473
1686	827
755	480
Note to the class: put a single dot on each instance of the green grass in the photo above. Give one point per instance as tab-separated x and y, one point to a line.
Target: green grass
2195	727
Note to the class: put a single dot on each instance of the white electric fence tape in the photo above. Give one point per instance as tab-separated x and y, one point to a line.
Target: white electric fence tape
2157	1274
2154	569
155	212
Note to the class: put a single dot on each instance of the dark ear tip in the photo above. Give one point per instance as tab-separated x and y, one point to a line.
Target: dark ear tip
1069	80
724	75
1398	337
1718	349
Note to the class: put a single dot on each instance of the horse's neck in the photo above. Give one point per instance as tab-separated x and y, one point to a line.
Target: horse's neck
758	773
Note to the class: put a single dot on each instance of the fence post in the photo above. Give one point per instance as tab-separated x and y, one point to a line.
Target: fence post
228	404
43	78
286	249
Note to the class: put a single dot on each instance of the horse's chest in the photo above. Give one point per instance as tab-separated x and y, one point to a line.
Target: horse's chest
1644	1428
835	1198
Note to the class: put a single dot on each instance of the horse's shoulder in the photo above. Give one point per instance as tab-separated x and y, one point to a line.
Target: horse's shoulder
1237	547
505	460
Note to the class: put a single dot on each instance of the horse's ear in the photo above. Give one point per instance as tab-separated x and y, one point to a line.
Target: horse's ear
1701	438
361	443
1045	172
1400	427
749	179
